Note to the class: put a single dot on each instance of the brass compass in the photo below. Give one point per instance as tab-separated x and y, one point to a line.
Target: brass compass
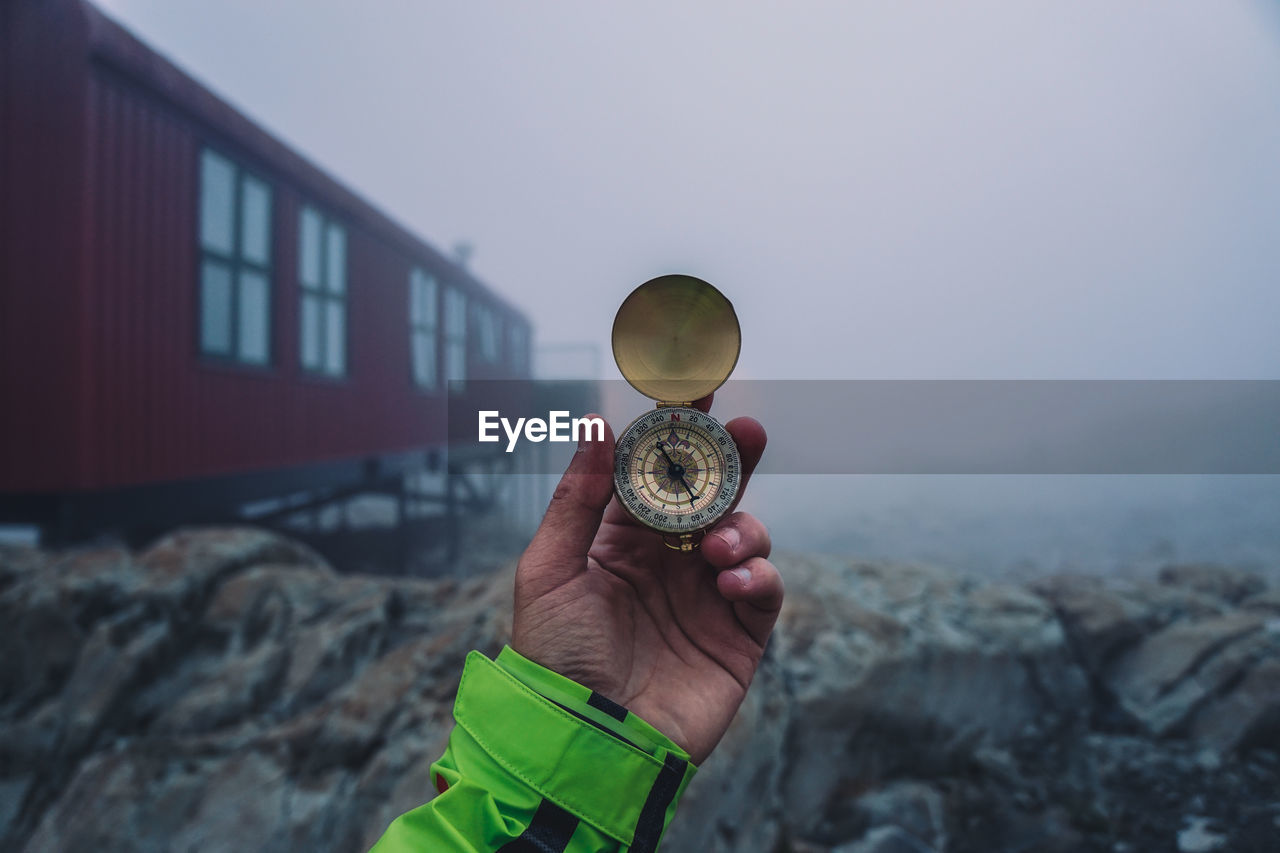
676	469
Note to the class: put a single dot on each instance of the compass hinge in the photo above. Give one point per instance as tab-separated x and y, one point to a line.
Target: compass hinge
684	541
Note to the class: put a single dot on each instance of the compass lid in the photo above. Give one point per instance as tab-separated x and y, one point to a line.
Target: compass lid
676	338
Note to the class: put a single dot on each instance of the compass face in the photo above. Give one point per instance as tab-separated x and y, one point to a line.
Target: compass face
677	470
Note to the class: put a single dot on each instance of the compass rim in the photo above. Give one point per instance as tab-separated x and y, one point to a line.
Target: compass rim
730	485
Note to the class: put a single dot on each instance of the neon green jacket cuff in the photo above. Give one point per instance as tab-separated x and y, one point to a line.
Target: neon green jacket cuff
538	762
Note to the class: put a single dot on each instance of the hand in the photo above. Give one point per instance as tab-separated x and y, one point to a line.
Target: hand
675	637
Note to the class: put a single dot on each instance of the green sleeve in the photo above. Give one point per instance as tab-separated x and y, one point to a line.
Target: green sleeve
538	762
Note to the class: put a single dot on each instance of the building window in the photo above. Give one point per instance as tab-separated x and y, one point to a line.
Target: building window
488	337
518	347
422	328
322	273
235	262
455	338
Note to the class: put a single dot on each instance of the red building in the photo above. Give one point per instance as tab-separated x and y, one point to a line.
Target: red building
191	314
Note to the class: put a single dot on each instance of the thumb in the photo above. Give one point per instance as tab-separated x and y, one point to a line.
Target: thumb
558	550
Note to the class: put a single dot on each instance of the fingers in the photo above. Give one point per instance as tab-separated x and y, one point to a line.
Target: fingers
750	437
756	590
739	545
737	538
558	550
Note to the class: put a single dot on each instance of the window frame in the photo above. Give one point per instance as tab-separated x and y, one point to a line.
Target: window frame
454	336
488	332
429	329
323	295
235	263
517	349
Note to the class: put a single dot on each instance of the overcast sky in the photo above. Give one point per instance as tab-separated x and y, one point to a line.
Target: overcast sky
885	190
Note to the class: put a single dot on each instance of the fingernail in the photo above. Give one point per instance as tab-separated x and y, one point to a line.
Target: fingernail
744	575
731	537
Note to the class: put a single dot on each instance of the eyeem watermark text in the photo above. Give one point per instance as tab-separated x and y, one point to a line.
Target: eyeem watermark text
558	427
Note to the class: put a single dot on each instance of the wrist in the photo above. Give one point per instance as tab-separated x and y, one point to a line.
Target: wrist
588	704
589	756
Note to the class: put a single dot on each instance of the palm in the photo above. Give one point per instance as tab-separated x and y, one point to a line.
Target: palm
600	599
646	626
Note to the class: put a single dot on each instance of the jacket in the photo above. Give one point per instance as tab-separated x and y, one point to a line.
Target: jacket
537	762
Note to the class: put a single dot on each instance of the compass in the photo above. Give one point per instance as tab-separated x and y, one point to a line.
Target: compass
676	469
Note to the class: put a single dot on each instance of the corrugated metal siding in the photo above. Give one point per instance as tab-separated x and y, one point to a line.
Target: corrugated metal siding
101	377
140	295
41	159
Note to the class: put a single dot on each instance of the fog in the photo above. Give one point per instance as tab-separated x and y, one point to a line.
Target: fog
885	191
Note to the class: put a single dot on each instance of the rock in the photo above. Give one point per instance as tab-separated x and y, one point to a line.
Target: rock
247	794
1246	715
18	561
941	666
1197	838
800	845
146	695
913	807
51	611
13	791
238	688
183	568
252	602
1099	621
886	839
1170	674
328	653
1267	602
1103	618
156	803
1229	584
115	661
226	689
1166	604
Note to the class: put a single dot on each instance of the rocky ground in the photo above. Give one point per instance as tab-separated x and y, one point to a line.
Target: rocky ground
227	690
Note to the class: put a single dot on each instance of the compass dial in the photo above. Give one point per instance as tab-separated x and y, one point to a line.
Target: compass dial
677	470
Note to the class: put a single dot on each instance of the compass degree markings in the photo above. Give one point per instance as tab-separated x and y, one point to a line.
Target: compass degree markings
702	485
